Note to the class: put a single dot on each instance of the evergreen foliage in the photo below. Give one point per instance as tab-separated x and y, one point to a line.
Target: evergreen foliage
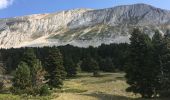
35	74
165	67
21	81
44	91
95	67
85	65
55	68
140	70
70	67
107	65
158	52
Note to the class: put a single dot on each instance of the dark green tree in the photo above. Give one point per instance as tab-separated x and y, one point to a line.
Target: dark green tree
90	65
107	65
140	70
158	52
37	74
29	57
85	65
70	67
54	67
165	69
95	67
22	79
36	69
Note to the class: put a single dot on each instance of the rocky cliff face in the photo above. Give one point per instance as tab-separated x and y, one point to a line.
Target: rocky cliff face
82	27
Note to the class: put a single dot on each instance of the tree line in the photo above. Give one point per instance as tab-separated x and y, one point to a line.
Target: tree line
108	57
36	70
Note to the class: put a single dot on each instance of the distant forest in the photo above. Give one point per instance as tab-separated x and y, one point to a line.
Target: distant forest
112	54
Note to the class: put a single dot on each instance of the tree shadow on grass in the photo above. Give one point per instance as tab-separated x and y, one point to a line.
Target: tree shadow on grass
120	78
104	96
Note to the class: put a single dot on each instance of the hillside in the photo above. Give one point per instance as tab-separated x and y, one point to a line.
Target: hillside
82	27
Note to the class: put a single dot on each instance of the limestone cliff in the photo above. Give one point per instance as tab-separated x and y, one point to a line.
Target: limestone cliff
82	27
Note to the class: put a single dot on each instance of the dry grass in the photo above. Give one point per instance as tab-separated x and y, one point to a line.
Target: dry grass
110	86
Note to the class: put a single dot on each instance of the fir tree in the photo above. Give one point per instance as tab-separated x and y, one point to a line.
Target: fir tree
55	68
95	67
37	72
165	69
139	72
107	65
22	77
90	65
158	52
70	67
85	65
29	57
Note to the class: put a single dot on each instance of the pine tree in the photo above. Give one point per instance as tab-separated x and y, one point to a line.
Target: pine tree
85	65
29	57
38	74
55	68
139	72
165	69
35	69
35	66
95	67
2	71
70	67
107	65
22	78
158	52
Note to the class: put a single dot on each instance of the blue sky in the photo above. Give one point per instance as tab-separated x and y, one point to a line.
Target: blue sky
11	8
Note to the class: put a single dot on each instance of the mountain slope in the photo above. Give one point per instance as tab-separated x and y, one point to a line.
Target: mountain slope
82	27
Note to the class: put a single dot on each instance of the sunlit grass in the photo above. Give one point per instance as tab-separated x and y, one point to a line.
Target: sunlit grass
109	86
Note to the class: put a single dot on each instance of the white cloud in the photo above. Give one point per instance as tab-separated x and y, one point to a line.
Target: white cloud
5	3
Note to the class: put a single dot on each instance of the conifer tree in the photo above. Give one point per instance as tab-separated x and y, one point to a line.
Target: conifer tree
90	65
29	57
165	69
36	71
35	66
70	67
107	65
139	72
22	78
158	52
38	74
54	67
85	65
95	67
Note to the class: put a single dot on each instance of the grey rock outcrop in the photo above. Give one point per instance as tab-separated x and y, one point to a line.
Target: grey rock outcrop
82	27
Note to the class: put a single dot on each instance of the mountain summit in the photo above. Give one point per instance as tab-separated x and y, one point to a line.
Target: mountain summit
82	27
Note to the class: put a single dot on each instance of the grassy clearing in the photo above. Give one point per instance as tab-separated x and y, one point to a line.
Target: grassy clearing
24	97
9	97
110	86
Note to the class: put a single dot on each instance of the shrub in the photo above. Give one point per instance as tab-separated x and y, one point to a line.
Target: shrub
1	86
44	90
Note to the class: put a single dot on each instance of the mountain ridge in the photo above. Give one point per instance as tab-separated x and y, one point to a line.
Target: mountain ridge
82	27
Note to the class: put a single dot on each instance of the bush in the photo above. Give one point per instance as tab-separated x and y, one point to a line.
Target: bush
1	86
16	91
44	90
27	91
